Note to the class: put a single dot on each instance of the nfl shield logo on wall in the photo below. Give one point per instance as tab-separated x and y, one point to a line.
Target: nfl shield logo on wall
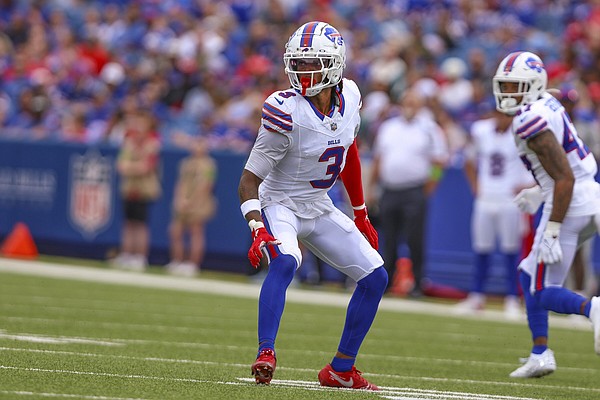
90	209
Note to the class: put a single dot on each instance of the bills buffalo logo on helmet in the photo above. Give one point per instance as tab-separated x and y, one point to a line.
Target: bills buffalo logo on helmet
334	36
535	64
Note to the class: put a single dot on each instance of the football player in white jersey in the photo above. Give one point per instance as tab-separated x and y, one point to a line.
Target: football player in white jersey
564	170
305	143
495	174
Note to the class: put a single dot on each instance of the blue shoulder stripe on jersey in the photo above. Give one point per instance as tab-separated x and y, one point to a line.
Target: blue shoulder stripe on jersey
267	127
276	122
277	112
528	125
534	130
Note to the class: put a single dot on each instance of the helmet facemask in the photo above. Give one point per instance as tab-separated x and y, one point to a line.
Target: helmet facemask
510	102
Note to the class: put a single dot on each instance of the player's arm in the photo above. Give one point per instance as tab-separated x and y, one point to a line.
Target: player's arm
554	161
351	176
271	145
248	190
470	167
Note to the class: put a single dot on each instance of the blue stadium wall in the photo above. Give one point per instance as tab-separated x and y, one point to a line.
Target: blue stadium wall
67	194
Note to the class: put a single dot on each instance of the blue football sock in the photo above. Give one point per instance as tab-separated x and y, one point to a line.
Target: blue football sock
482	264
561	300
587	308
361	311
537	316
272	299
511	274
539	349
342	364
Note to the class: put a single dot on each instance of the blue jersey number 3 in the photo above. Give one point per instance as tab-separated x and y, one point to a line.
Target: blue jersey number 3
333	169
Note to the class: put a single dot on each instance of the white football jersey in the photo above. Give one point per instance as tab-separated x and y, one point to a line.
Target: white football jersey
544	114
500	172
300	152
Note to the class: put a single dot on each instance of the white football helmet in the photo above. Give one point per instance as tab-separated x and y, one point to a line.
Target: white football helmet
322	44
528	71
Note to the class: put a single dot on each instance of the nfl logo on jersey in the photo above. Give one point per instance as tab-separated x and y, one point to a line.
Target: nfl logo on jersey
333	126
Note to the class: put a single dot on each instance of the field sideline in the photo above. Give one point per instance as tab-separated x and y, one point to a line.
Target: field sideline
95	333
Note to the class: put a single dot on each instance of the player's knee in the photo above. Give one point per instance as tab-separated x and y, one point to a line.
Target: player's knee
283	265
546	297
376	281
525	281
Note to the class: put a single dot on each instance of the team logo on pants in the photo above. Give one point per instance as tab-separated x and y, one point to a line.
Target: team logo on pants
90	209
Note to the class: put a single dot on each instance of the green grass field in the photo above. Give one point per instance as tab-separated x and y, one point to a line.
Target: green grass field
73	339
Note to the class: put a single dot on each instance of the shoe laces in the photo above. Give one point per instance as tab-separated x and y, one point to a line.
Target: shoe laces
265	354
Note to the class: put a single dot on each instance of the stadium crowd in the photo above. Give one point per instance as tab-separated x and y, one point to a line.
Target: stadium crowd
76	70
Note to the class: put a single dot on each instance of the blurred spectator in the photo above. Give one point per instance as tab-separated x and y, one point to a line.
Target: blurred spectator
176	56
137	166
193	205
456	92
73	127
410	153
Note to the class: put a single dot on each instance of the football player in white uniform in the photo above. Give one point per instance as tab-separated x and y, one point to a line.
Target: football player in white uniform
495	174
305	143
564	170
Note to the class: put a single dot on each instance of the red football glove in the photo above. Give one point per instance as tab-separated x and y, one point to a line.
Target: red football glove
361	219
260	239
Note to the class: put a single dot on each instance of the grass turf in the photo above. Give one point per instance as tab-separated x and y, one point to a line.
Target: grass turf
71	339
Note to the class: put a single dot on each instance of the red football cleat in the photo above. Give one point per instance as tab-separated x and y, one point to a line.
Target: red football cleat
264	366
349	379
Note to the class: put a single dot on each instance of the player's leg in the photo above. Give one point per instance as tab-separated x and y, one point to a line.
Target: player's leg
197	242
391	221
415	215
541	360
283	261
483	237
554	297
543	291
176	233
550	291
511	227
358	260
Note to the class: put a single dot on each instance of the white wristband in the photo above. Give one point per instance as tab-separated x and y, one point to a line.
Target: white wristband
250	205
553	228
254	224
361	207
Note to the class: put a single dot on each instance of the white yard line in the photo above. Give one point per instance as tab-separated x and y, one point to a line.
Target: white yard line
311	370
388	392
63	395
201	362
247	290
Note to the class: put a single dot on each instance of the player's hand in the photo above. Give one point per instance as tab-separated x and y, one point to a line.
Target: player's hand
529	200
550	251
260	239
361	219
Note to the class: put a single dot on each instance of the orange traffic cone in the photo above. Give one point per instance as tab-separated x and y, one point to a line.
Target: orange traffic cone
404	279
19	243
